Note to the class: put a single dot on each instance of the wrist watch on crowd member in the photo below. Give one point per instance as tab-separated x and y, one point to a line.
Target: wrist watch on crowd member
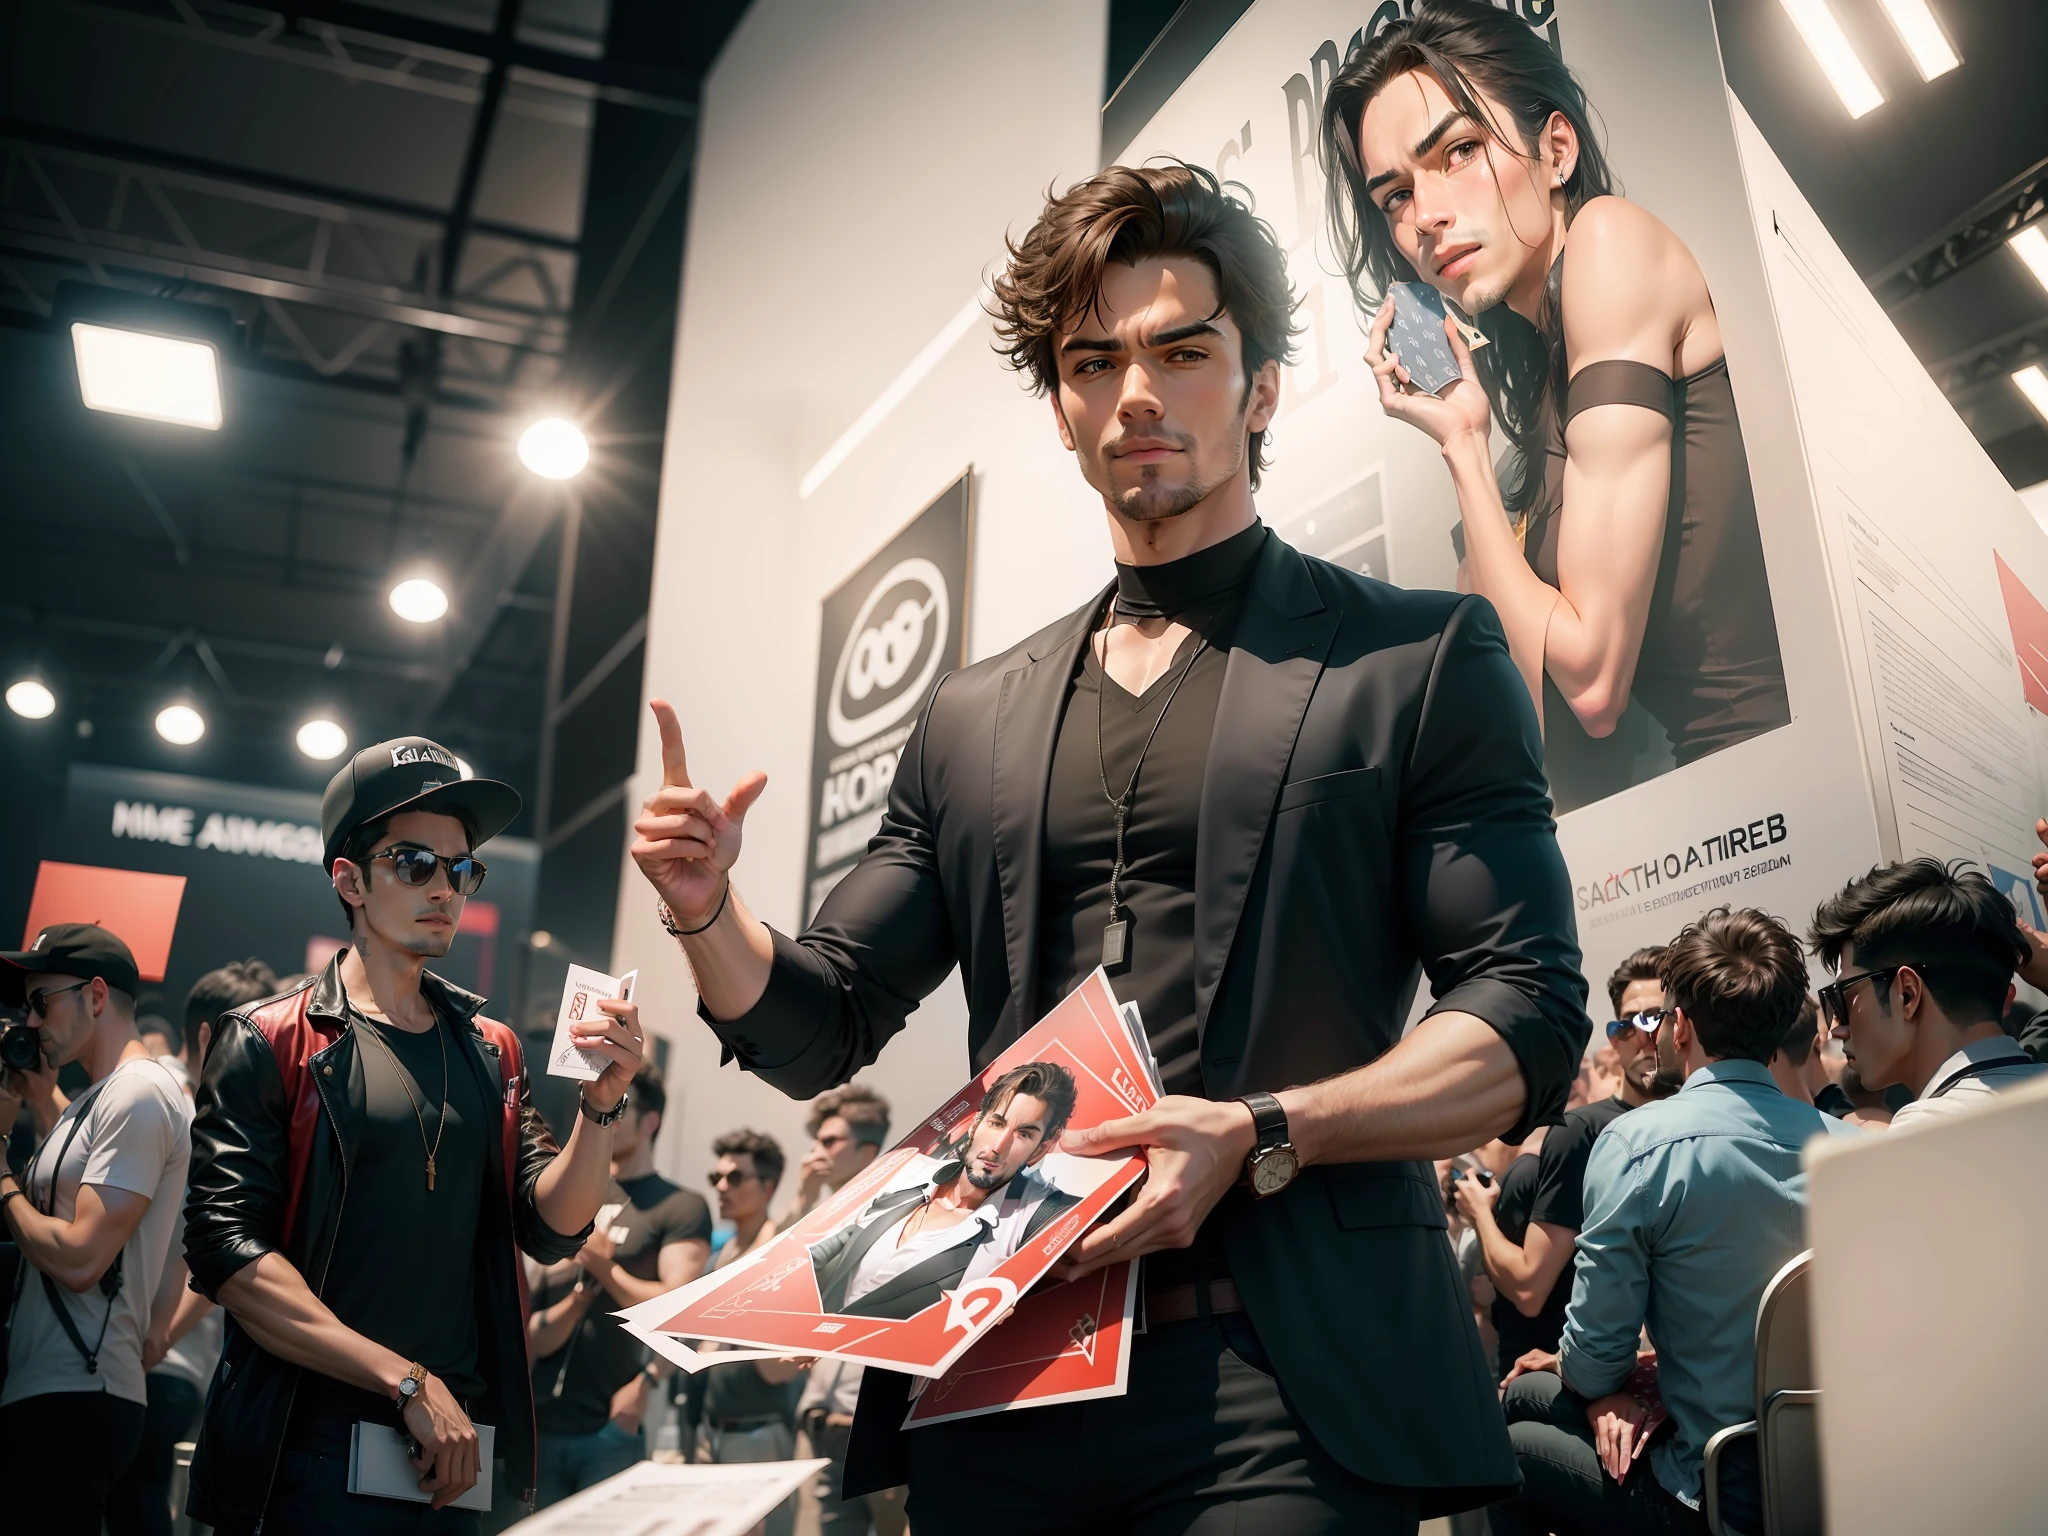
1273	1163
603	1117
411	1385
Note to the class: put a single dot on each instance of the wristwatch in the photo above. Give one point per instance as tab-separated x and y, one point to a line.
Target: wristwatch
604	1116
1274	1162
411	1385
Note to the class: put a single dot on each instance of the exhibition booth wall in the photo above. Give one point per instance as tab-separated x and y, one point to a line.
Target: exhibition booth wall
844	448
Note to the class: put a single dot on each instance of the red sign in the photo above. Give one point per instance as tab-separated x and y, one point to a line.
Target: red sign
1063	1344
140	910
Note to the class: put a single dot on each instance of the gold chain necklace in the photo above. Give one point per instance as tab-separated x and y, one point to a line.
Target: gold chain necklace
435	1150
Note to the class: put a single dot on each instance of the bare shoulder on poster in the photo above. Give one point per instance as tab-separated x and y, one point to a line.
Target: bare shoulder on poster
582	990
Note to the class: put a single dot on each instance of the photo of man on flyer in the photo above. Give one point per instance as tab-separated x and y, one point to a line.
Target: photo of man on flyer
981	1201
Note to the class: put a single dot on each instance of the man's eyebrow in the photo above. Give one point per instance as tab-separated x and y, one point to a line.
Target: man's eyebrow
1423	146
1090	344
1157	339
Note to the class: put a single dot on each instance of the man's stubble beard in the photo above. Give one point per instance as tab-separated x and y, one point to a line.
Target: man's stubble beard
988	1181
1146	504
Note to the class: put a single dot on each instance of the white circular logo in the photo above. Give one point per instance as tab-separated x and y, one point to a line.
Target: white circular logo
880	652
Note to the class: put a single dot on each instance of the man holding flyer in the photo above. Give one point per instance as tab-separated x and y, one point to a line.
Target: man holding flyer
367	1165
1263	793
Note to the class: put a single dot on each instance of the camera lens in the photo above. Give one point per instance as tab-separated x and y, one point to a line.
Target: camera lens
20	1049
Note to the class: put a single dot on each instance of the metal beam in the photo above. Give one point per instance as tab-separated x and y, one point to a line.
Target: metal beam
503	34
1982	230
634	637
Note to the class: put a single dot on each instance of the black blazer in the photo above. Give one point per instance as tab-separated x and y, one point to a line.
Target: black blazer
836	1260
1373	808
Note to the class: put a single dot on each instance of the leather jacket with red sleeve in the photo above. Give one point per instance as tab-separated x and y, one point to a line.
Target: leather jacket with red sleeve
280	1108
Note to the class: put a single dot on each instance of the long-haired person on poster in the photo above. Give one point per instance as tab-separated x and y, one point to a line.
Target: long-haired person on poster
1262	793
1620	542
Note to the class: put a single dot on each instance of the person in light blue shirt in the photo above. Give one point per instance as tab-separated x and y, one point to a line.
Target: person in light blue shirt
1692	1204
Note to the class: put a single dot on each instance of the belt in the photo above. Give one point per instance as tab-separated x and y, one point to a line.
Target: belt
1181	1303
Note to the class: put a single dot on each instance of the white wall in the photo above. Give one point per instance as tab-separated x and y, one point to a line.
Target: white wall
860	165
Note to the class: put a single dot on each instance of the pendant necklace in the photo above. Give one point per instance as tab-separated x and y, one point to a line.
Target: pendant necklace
435	1150
1117	932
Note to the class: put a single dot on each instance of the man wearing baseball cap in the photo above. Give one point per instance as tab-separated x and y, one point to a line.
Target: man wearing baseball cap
94	1216
367	1166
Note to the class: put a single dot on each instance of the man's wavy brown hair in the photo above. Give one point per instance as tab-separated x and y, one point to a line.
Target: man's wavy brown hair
1130	214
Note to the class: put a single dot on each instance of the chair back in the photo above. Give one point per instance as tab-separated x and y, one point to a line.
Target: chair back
1788	1404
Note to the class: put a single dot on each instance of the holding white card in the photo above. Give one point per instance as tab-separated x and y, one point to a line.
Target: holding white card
582	990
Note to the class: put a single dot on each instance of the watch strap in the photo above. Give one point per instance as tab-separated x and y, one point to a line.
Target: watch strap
604	1116
416	1378
1269	1120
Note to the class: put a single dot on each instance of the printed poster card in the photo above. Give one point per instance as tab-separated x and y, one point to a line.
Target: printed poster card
917	1303
582	990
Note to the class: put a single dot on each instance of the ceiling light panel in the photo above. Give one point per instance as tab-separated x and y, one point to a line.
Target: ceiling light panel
1914	21
1829	45
159	378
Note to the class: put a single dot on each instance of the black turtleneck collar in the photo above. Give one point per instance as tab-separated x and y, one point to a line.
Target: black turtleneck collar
1193	581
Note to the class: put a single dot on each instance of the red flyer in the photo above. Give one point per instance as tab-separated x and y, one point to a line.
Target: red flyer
1064	1344
917	1258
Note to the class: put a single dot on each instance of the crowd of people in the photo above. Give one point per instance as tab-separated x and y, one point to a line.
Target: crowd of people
1617	1261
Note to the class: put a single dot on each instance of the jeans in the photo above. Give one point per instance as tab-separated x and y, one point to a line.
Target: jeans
571	1463
759	1442
1565	1489
1203	1444
310	1498
140	1504
60	1454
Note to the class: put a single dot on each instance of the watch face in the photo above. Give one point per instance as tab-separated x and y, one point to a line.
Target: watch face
1273	1170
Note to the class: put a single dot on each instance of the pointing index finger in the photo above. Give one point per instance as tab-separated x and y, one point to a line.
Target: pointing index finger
675	766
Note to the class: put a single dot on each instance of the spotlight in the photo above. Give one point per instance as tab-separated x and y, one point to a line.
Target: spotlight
2033	383
180	724
418	600
554	449
2031	246
322	740
462	767
1922	35
1829	44
541	938
139	355
31	700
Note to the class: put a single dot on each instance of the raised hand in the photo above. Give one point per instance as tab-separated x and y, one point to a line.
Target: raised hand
1463	406
685	842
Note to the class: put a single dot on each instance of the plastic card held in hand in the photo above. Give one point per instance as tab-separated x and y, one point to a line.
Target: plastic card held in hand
1417	338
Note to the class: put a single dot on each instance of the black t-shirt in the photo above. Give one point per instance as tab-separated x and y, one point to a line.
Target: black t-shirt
573	1387
403	1270
1553	1192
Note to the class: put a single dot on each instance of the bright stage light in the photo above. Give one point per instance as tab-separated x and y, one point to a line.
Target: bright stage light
462	767
419	601
1922	35
1830	47
554	449
2033	384
180	724
322	740
160	378
2031	246
31	700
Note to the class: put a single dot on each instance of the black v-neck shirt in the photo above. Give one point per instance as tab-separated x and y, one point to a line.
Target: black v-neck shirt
1204	591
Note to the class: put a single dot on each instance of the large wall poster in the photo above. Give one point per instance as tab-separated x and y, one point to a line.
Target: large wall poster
890	632
1724	779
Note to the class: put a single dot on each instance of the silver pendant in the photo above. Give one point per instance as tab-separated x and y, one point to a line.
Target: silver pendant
1114	937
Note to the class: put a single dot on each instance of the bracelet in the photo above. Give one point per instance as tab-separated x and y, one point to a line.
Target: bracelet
667	918
9	1194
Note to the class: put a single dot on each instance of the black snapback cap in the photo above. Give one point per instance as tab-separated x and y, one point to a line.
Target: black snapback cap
410	773
84	950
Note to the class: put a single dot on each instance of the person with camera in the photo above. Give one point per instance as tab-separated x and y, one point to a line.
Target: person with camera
93	1217
367	1166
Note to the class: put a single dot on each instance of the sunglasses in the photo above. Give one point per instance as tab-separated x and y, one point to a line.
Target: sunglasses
39	1000
1646	1021
416	866
1834	997
736	1176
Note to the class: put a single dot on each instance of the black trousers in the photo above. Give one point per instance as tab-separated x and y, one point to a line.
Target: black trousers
60	1454
140	1504
1203	1444
310	1498
1565	1489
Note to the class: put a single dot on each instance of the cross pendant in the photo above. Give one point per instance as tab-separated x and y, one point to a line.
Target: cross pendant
430	1175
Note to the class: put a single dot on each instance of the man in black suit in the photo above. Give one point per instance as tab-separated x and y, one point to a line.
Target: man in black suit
980	1206
1266	793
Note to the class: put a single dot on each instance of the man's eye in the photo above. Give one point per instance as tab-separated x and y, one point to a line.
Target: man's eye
1462	151
1187	355
1394	200
1091	365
